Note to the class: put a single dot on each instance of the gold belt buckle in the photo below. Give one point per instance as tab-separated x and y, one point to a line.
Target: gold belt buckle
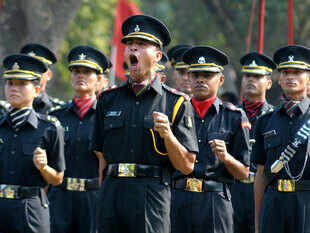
8	191
193	185
126	170
286	185
75	184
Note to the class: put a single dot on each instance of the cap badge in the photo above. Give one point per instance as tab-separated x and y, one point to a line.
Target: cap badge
32	54
82	56
15	66
137	28
253	63
201	60
291	58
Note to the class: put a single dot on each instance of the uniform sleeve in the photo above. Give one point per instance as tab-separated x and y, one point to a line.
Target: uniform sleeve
240	147
184	127
55	148
97	143
258	152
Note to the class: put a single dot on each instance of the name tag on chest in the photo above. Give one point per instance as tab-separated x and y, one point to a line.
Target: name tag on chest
113	113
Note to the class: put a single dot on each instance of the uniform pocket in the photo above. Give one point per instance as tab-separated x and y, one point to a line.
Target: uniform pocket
113	122
224	135
28	149
272	142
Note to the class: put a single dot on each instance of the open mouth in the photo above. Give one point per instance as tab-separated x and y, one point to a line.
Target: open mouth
133	61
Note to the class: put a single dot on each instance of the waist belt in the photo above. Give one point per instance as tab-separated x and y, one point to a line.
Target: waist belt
80	184
198	185
18	192
133	170
290	185
250	179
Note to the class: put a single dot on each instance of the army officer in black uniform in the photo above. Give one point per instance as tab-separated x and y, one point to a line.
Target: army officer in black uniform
282	202
201	199
73	203
256	81
31	150
142	128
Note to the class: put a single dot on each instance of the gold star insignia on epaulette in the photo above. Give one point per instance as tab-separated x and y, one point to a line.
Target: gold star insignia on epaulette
53	120
54	108
58	101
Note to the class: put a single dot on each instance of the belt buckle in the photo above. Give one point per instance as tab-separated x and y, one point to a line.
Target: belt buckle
75	184
286	185
193	185
126	170
8	191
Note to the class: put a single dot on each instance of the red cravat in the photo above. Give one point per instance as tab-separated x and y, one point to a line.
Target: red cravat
83	104
201	107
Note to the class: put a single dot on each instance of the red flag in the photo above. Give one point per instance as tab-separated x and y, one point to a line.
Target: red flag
124	9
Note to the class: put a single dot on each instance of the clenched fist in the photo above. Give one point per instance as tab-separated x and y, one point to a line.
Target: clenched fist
218	148
40	158
161	124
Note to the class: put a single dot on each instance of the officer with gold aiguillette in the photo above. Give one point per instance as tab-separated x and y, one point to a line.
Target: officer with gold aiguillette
142	128
282	183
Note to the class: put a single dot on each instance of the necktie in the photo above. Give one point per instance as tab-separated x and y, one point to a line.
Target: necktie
290	107
19	116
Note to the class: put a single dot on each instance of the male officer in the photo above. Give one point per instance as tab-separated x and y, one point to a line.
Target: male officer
31	150
180	74
43	102
282	201
201	199
256	80
142	128
73	202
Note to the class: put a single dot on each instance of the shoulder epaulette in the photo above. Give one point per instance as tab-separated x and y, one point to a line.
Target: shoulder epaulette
5	104
56	108
51	119
58	101
110	88
232	107
175	91
268	112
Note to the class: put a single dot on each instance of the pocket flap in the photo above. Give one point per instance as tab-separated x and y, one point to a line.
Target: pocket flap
272	141
28	149
113	121
225	135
